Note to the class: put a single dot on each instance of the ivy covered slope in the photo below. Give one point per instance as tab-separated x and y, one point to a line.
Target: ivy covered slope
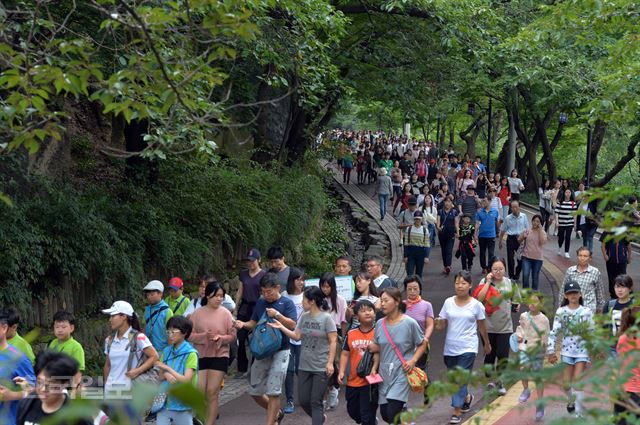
114	237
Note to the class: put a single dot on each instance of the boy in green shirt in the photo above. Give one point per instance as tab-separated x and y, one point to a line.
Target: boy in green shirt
64	324
14	338
177	301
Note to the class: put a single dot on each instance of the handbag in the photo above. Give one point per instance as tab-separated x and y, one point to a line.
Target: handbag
416	377
365	364
513	342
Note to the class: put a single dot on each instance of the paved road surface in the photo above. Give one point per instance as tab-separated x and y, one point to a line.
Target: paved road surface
242	410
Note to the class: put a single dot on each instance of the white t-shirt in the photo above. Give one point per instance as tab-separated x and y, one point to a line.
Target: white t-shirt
462	326
119	356
297	301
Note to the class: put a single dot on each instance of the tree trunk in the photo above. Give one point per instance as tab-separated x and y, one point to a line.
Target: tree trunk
497	128
631	153
597	139
262	151
470	134
137	168
452	135
556	139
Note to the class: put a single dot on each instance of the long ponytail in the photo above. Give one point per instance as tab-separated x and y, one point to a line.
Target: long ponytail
134	322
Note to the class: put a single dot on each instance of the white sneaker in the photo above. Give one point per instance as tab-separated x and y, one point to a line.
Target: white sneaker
559	252
332	400
501	389
524	396
566	255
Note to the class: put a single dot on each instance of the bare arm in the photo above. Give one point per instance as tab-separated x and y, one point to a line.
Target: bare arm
333	341
485	336
239	294
342	368
168	370
107	369
294	335
428	329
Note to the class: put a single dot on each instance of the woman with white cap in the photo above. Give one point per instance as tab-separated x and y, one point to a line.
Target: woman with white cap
129	352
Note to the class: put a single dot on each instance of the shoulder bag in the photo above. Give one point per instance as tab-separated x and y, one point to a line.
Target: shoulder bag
416	377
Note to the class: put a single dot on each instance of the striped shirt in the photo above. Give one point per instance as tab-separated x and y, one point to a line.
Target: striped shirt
565	210
417	236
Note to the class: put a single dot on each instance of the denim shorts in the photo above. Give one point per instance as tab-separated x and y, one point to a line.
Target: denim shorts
531	361
573	360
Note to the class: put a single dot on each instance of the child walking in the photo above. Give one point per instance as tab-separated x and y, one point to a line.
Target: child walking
573	351
533	336
362	401
466	250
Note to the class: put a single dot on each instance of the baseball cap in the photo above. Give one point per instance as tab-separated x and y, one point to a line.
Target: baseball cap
417	214
119	307
154	285
571	286
413	201
253	255
175	283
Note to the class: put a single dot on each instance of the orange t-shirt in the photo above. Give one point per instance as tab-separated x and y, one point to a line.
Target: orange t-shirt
355	343
632	347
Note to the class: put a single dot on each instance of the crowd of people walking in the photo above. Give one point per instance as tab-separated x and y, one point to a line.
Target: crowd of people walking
287	332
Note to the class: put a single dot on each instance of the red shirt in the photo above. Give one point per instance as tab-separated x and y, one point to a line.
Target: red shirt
355	344
632	347
503	195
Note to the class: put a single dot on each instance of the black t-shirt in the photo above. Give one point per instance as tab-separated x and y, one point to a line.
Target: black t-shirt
30	412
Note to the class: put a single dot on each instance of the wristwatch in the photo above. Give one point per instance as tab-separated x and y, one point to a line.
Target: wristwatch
278	315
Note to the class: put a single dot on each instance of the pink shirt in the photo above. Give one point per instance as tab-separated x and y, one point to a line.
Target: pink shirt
533	244
628	350
339	316
419	312
218	320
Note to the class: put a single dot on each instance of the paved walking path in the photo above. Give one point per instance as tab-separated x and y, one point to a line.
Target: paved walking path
240	408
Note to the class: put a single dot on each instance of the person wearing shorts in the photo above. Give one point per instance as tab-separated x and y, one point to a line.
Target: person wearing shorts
268	374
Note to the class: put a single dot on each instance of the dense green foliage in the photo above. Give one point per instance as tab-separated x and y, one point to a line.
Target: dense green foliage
182	225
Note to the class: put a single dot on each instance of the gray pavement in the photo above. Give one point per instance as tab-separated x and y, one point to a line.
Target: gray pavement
240	409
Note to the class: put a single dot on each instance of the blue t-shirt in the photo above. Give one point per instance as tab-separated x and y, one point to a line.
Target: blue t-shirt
13	363
284	306
488	222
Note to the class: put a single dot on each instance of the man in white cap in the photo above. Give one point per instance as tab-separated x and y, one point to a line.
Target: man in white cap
156	315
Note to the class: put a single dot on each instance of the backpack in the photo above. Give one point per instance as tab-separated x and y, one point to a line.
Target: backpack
150	376
407	235
266	340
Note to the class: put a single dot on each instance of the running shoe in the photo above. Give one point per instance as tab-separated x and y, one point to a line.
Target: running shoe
332	400
455	419
289	408
524	395
539	413
501	389
466	406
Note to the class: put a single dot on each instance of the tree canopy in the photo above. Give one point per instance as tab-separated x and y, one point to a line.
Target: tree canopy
184	72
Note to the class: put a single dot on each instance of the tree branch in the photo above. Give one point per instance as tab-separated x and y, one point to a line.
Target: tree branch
631	153
155	52
411	12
